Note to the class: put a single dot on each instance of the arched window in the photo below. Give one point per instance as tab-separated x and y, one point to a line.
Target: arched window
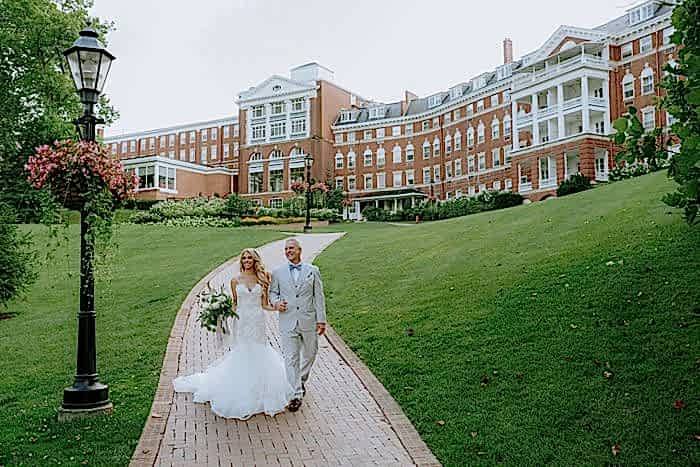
448	144
506	126
436	147
470	136
628	86
296	152
426	149
367	156
410	153
351	159
396	154
458	140
647	77
381	157
255	157
495	128
276	154
480	133
339	160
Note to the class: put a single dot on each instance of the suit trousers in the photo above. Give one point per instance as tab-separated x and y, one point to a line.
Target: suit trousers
299	348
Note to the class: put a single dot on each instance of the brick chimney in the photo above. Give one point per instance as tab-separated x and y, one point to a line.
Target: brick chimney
507	51
408	97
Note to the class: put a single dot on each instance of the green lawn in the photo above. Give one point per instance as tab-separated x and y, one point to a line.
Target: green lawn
528	346
155	268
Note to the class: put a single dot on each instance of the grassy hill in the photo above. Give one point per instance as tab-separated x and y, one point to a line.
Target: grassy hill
542	334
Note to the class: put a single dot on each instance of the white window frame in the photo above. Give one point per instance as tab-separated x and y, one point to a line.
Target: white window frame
646	44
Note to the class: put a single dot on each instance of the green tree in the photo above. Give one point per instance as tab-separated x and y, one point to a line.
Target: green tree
682	100
638	144
18	261
682	85
37	98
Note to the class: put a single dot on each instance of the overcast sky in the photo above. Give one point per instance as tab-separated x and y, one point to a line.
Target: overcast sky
182	61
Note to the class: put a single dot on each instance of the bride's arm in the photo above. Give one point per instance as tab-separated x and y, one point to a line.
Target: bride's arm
234	295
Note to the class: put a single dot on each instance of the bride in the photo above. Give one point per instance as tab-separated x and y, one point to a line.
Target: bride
250	378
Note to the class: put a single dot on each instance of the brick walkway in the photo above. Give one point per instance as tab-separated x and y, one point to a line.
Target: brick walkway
347	418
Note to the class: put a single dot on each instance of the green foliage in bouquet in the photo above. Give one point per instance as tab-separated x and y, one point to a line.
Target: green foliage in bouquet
216	304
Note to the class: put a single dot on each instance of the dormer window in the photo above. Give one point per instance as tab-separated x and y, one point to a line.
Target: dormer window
377	112
642	13
456	92
434	101
478	83
504	71
346	116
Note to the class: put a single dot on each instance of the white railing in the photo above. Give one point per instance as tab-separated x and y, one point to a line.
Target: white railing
524	120
597	101
551	70
571	103
547	111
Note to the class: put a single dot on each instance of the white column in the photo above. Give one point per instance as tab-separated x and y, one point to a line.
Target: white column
560	110
248	126
606	99
268	109
585	113
288	110
396	205
535	122
358	213
514	124
156	172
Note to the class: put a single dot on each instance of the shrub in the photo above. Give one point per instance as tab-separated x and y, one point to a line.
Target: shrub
191	207
145	217
330	215
507	199
237	206
195	221
140	204
622	172
17	258
575	183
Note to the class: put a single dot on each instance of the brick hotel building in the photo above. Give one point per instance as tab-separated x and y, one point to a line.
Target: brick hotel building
525	126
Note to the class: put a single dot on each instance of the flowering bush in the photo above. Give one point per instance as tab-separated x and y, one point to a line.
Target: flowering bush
300	187
79	172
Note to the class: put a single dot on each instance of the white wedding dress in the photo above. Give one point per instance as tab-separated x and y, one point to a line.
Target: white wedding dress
248	379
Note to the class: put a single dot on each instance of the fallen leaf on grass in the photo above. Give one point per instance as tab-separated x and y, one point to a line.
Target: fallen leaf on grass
697	437
679	404
607	374
473	434
440	423
573	326
615	449
481	453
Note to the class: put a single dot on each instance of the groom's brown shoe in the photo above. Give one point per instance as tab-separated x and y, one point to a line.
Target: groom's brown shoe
294	405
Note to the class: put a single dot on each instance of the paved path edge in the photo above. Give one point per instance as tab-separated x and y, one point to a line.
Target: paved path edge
402	426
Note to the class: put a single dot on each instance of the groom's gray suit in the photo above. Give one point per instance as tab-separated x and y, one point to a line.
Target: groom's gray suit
306	306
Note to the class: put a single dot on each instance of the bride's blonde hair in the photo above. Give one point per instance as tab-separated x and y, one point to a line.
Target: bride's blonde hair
261	275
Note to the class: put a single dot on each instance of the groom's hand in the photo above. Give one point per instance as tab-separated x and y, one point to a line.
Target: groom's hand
281	306
320	328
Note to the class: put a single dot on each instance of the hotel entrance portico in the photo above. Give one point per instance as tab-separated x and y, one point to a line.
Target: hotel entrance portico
393	201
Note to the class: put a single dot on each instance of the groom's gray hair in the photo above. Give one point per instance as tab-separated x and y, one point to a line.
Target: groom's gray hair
294	241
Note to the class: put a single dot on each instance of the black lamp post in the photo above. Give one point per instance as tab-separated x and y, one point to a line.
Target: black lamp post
308	161
89	64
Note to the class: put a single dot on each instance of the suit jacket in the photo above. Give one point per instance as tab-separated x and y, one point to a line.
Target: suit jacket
306	303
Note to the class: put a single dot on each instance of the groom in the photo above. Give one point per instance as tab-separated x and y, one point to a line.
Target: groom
297	293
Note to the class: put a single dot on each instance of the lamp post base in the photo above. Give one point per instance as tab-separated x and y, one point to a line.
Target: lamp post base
84	400
65	415
307	228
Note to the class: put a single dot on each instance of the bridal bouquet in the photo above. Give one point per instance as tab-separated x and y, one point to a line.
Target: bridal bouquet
215	305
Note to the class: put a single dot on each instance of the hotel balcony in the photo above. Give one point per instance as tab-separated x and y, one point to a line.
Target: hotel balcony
546	70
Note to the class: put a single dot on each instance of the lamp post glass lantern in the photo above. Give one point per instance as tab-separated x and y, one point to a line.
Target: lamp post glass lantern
308	161
89	64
